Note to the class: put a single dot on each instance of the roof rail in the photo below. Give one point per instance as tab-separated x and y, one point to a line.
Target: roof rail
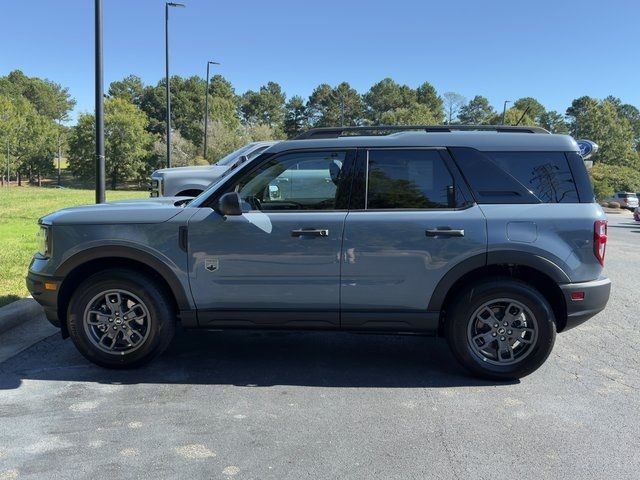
335	132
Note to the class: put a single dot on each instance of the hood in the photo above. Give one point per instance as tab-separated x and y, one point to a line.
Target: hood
143	210
219	169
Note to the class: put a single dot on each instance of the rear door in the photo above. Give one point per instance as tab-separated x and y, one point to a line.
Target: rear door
411	220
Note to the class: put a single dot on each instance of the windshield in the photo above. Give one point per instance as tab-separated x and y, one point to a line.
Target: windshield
229	159
204	195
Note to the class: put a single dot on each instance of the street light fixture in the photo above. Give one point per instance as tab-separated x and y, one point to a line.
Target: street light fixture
206	107
166	45
504	110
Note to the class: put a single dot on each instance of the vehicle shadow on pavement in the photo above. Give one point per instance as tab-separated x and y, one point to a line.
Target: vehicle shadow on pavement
258	359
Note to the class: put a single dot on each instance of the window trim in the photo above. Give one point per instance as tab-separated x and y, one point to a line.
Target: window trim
349	162
460	184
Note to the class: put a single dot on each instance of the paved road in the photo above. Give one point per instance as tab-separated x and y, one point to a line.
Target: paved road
290	405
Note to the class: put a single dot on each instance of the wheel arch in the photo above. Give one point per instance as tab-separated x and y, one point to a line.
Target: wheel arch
539	272
189	192
83	264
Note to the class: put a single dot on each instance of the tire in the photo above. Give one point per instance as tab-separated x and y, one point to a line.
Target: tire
482	343
111	296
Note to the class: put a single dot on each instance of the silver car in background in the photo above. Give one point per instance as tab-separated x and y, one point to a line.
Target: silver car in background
192	181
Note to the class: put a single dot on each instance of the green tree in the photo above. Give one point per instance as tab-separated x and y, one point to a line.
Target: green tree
417	114
513	116
296	119
187	106
554	122
477	112
535	110
329	107
386	96
427	95
264	106
599	121
127	143
614	178
48	98
130	88
30	135
630	113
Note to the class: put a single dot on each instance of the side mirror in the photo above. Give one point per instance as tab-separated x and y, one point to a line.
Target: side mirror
230	204
242	159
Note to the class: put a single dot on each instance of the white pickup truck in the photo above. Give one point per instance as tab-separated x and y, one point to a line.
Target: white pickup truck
192	181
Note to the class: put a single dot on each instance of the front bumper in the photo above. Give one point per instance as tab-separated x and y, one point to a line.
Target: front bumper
46	297
596	295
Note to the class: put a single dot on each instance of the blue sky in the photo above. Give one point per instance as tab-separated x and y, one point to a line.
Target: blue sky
552	50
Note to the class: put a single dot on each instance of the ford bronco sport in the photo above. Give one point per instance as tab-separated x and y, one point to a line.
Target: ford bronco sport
487	236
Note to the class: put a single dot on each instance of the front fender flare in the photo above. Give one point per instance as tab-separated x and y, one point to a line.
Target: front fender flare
170	275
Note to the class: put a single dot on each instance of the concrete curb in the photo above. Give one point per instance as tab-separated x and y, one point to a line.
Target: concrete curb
18	312
22	325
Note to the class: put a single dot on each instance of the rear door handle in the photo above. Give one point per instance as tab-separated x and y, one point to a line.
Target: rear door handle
444	232
310	232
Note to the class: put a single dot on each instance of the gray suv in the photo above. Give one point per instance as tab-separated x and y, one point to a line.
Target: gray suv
487	236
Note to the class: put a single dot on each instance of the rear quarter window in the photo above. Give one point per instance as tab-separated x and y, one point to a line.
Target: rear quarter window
546	174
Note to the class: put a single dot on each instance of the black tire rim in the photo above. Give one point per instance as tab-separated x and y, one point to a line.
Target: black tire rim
502	332
116	322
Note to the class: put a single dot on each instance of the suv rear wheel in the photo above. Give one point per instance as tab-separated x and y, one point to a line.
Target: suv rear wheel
120	319
500	329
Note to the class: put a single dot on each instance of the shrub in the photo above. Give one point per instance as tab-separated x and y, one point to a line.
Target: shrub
614	205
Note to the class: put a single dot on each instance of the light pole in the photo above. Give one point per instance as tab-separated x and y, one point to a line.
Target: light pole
206	107
166	54
59	147
504	110
100	167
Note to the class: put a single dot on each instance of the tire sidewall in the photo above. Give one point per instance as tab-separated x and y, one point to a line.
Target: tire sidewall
472	298
160	321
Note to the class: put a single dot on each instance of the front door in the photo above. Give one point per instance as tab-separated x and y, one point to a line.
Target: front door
410	225
277	264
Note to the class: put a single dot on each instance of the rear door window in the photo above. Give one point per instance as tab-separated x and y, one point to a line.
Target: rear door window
408	179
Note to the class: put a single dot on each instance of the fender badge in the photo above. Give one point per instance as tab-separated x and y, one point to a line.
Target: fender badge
211	264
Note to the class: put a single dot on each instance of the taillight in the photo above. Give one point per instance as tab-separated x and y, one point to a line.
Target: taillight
600	240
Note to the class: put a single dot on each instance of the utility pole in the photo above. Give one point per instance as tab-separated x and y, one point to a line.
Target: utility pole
166	75
100	166
206	107
504	110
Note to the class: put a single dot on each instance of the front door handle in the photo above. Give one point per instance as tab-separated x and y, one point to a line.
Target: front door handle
444	232
310	232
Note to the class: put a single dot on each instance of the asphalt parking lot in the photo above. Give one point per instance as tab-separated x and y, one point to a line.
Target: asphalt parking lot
316	405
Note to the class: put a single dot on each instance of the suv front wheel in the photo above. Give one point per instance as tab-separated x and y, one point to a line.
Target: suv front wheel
120	319
500	329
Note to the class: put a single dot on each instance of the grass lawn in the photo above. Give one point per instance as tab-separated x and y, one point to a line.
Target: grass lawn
20	208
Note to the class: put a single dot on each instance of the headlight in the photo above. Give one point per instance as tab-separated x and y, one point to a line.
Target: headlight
43	241
156	187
